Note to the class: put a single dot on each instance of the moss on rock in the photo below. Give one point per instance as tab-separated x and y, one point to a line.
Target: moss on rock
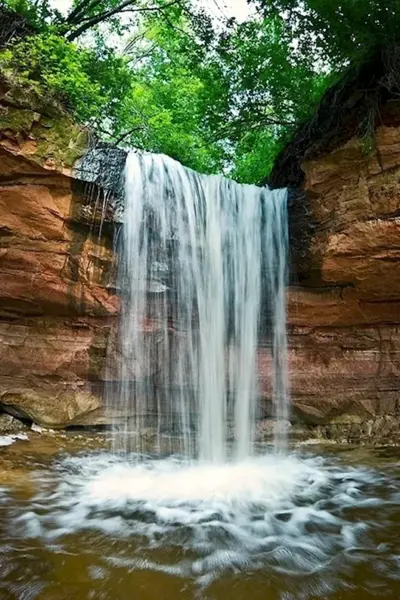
39	127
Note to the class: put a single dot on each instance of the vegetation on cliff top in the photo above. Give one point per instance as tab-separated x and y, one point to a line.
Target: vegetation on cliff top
161	75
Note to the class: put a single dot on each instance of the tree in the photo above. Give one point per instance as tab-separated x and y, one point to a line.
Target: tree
217	100
337	32
155	104
167	108
87	15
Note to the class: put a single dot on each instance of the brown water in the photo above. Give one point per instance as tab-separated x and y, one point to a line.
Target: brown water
77	523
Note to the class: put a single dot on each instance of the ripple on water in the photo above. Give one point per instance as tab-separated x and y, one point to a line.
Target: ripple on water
299	517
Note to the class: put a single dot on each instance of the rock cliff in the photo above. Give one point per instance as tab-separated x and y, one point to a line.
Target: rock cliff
55	268
344	302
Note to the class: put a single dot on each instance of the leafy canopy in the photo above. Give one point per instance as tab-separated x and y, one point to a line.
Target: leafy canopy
337	31
162	76
83	81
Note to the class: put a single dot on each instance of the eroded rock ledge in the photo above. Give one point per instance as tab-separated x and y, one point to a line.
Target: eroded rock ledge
55	299
58	303
344	303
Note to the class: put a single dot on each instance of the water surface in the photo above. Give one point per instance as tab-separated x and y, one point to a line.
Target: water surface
86	524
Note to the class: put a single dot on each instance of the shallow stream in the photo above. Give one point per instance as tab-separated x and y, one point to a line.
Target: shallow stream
83	524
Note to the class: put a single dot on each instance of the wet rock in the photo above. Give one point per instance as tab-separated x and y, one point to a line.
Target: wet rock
36	428
53	408
267	429
56	302
344	314
9	424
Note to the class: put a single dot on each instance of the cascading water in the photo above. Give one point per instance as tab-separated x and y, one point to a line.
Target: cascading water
203	273
199	255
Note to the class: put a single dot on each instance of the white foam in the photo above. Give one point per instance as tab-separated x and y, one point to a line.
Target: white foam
7	440
258	480
290	514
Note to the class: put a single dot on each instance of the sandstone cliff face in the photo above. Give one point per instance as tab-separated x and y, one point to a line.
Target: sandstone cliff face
344	312
55	269
58	307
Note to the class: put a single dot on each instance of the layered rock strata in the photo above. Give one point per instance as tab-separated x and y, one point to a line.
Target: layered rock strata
56	301
57	274
344	309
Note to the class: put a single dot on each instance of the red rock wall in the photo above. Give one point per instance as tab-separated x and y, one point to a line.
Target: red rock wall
344	317
55	304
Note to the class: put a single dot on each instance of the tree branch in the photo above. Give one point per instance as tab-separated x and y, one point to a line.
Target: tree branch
173	26
82	7
129	132
131	44
135	59
233	128
148	8
92	21
104	16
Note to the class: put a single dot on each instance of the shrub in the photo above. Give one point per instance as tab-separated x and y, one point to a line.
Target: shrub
81	80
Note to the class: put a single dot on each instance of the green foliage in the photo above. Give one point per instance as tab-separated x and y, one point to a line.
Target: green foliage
337	31
217	100
155	104
37	13
227	106
167	107
255	153
271	90
97	16
83	81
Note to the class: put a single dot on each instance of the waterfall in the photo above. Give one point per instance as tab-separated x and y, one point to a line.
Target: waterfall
202	276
